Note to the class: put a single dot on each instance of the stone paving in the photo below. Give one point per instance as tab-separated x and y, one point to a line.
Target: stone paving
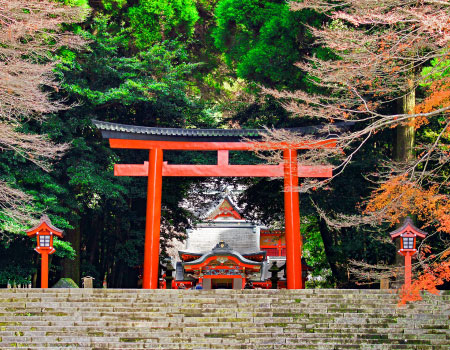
322	319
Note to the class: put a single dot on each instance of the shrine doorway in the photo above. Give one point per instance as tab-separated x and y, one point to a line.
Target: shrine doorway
222	283
234	282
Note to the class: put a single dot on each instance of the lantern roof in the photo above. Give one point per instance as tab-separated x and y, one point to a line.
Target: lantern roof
135	132
408	227
45	225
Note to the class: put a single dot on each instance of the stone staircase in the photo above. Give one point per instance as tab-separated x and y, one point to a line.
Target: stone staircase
221	319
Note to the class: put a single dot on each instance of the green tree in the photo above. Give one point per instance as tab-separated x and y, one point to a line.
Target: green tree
262	39
154	20
113	84
143	23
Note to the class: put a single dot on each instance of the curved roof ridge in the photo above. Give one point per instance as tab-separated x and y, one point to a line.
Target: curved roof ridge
45	222
125	131
408	223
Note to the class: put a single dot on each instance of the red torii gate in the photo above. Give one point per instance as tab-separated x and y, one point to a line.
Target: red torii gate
156	140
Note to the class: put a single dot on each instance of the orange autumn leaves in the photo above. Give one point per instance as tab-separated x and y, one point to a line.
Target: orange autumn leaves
398	197
434	274
439	97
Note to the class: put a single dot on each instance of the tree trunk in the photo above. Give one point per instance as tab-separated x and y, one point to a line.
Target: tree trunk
404	150
405	134
71	268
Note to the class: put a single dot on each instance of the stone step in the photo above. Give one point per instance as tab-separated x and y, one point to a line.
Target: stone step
212	338
133	345
267	338
243	327
307	329
350	307
205	296
287	299
19	302
197	346
355	323
237	316
211	304
267	329
238	310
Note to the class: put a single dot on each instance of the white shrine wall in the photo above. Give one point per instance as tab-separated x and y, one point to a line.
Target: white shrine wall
240	236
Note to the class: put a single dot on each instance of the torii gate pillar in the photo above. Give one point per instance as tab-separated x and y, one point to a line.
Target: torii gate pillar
153	220
292	221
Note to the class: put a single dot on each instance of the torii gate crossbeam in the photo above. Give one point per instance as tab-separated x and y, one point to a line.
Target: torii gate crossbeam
156	140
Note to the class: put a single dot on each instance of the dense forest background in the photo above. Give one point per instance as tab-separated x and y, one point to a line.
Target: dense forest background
190	64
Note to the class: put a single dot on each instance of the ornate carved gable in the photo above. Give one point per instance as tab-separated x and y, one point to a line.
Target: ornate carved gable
226	209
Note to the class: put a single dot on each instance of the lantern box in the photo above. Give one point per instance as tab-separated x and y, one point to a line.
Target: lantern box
408	234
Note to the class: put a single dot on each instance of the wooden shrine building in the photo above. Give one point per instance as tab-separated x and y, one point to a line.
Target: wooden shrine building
156	140
228	252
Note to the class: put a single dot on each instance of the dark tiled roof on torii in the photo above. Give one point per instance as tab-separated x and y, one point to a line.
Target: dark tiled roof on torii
131	132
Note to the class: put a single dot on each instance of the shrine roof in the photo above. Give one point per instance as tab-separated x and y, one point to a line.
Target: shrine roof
188	257
216	209
223	249
132	132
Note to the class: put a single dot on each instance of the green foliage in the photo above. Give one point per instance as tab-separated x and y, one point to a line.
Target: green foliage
10	226
140	78
261	39
155	20
266	113
438	69
16	249
63	249
113	5
80	3
314	253
17	260
154	79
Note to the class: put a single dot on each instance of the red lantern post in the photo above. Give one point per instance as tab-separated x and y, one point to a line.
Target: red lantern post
44	233
408	234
